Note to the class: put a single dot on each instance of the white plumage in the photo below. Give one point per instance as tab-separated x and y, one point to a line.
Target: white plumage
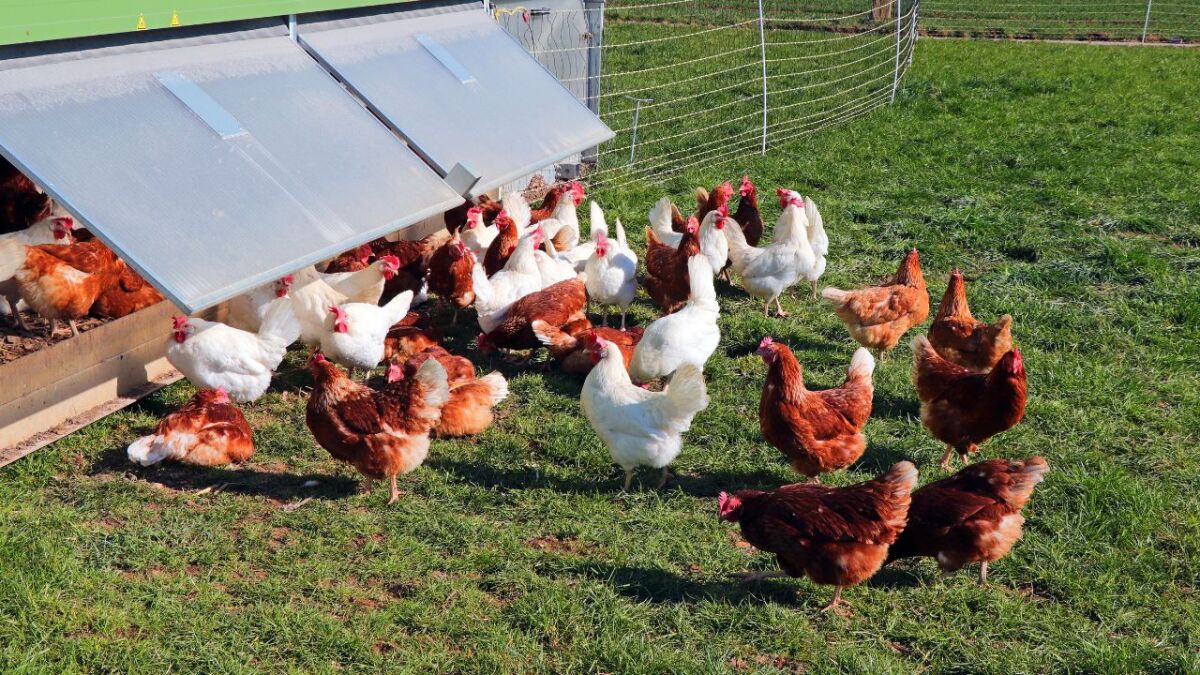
611	270
354	333
640	427
687	337
213	355
767	272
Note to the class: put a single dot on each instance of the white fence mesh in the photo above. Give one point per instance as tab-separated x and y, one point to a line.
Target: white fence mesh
683	82
1151	21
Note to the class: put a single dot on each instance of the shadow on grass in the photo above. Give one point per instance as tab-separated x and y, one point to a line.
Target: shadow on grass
489	476
661	586
897	407
880	458
241	480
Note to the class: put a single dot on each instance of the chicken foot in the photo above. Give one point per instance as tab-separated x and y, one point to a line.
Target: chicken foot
663	482
836	602
395	495
779	309
628	480
983	573
814	289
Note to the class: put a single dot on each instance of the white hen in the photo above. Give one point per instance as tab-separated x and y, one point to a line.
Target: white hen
519	278
212	355
767	272
713	243
817	238
476	235
354	333
687	337
365	285
640	427
246	311
612	269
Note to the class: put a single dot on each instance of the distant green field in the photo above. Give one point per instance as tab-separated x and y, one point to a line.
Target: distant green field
1060	178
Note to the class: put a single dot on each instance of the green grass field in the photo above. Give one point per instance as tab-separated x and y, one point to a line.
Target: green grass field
1061	179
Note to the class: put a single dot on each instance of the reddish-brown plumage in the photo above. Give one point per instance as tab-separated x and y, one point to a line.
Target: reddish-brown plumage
960	338
213	430
63	281
354	260
972	516
569	345
550	202
819	431
557	305
835	536
962	408
667	281
382	434
878	316
705	202
747	214
414	256
458	369
129	294
450	273
502	247
405	341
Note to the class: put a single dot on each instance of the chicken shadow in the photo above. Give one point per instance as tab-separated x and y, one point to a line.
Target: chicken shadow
879	458
660	586
240	480
488	476
896	407
713	483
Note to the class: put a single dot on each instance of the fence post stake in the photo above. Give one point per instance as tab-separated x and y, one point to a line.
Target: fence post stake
762	43
637	110
896	72
1146	23
593	11
914	25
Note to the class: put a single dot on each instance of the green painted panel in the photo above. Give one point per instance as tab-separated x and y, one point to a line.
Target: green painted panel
36	20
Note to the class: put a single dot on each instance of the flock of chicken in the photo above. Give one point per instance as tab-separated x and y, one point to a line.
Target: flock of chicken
50	267
531	276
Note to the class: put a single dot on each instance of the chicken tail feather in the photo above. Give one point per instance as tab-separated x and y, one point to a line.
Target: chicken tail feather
686	395
432	376
498	386
280	322
836	295
862	364
598	223
900	479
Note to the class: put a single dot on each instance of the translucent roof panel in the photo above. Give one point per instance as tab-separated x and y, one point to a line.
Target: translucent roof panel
459	89
211	164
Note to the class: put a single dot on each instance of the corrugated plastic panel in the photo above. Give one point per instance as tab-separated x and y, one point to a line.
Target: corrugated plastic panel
459	89
212	165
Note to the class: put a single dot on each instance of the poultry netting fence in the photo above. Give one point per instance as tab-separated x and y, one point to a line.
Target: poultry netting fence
1149	21
683	82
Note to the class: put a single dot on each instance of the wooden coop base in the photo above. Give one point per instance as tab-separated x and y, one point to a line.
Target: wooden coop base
47	395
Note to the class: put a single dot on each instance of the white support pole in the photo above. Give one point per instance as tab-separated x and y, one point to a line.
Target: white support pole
762	43
912	27
896	72
1146	23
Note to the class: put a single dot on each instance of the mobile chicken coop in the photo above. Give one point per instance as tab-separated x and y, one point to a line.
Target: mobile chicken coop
216	145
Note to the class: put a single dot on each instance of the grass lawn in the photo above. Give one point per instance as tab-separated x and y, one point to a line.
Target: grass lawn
1062	179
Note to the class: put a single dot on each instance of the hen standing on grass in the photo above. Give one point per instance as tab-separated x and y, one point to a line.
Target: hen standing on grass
972	516
837	536
213	355
959	338
819	431
767	272
640	427
962	408
688	336
382	434
878	316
